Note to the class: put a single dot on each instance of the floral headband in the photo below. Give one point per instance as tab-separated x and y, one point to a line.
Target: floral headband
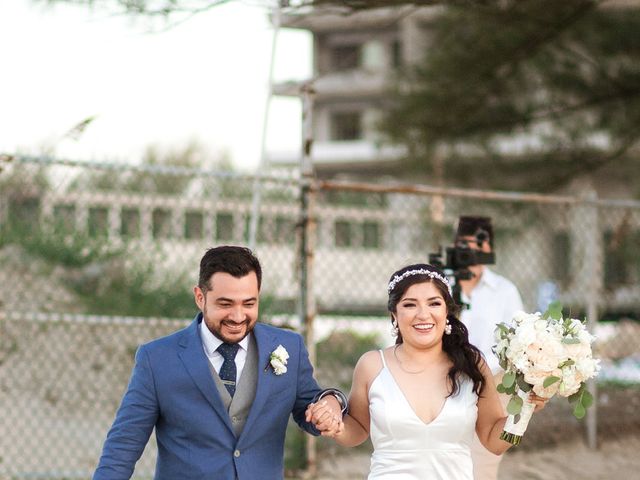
422	271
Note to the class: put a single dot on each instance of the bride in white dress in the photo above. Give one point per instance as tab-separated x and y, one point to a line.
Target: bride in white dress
422	399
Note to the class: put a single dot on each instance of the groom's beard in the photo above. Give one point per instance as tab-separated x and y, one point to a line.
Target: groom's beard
228	331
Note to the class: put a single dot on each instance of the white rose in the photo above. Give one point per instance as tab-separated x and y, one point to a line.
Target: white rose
547	392
522	364
540	325
546	353
526	333
520	316
570	382
588	367
585	337
577	351
281	352
278	367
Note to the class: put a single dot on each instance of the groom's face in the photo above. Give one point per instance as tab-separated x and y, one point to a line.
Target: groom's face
230	305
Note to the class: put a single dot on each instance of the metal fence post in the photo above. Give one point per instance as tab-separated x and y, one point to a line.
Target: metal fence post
306	254
594	283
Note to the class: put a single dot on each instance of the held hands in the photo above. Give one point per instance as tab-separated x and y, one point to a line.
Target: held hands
327	419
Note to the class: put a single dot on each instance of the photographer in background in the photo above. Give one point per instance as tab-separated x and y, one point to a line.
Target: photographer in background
488	299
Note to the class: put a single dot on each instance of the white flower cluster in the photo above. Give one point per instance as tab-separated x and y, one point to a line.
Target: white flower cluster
552	355
278	360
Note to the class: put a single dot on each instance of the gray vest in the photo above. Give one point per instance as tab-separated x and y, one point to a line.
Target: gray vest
239	406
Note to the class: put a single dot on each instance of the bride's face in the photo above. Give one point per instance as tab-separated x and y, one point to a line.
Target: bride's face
422	314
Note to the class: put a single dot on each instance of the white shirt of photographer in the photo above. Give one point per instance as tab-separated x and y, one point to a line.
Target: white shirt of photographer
493	300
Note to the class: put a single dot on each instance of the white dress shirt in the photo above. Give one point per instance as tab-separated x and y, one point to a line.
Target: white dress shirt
210	343
494	299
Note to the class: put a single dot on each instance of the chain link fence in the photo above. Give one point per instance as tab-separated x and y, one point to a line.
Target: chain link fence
98	258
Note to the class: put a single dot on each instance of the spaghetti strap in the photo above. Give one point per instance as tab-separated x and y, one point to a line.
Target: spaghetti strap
384	364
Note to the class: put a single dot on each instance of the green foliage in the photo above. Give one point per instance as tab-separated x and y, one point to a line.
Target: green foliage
554	310
550	381
135	292
56	245
94	268
583	400
508	379
562	73
514	407
338	354
294	448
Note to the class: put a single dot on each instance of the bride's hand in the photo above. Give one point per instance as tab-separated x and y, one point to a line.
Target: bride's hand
539	402
324	419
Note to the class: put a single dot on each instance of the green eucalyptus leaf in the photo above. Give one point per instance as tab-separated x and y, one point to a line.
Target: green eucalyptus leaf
575	397
567	363
503	328
550	381
500	388
522	385
509	379
514	407
587	399
570	341
554	310
579	410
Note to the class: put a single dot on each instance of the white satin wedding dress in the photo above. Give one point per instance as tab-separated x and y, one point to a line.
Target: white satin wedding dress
406	448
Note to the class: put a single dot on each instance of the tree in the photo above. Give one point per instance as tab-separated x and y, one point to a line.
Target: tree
539	91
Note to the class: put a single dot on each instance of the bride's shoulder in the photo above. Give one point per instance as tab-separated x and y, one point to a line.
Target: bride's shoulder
369	364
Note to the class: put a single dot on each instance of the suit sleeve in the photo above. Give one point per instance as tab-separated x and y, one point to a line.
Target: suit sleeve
307	389
133	424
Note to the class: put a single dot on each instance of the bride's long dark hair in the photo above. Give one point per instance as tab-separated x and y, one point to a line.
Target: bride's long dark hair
465	357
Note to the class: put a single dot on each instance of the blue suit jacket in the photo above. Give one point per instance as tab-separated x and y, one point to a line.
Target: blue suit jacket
172	389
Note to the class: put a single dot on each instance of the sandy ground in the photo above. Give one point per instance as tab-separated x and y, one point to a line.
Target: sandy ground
613	459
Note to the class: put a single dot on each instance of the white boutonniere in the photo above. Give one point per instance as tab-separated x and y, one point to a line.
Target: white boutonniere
278	360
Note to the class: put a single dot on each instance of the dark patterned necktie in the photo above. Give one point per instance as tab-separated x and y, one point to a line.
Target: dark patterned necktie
228	370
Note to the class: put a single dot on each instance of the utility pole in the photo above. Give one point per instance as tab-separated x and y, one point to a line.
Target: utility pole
307	250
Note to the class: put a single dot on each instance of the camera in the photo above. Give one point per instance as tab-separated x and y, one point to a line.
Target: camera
457	259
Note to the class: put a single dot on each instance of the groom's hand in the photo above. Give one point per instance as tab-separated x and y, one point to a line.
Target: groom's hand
326	416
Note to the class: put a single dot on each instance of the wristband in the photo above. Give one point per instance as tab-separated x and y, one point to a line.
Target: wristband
338	395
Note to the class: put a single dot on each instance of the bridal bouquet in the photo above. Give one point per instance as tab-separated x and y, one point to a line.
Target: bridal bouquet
548	354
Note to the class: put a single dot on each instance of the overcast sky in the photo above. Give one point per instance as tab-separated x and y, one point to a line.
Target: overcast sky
205	80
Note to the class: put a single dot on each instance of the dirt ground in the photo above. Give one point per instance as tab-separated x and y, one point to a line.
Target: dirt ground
572	461
553	448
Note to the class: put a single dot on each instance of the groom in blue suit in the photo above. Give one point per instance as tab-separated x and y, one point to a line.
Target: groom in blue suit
219	392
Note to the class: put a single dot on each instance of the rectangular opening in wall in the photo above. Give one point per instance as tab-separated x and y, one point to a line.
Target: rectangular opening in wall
343	233
560	256
98	221
620	255
161	221
64	218
193	225
130	222
346	57
284	230
346	126
371	235
224	226
25	211
396	53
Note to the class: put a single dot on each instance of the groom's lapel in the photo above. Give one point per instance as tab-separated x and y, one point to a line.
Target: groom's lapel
197	364
266	343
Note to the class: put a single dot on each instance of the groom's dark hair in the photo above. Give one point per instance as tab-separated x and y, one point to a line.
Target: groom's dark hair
234	260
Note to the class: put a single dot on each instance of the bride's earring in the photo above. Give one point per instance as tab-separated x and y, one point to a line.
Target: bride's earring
394	327
447	328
